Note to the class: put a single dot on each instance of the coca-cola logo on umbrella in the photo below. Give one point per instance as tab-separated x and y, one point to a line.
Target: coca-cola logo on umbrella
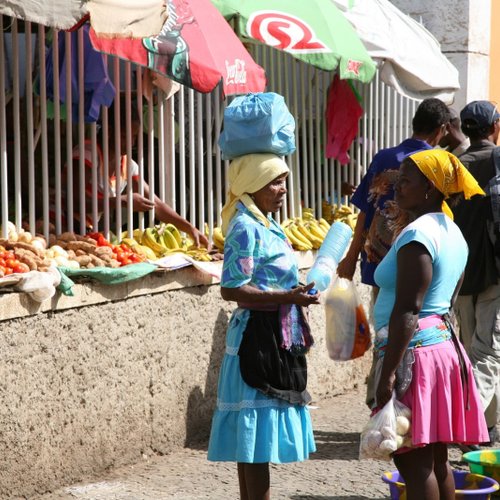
284	31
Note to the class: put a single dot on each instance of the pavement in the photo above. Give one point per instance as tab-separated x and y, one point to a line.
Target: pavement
332	473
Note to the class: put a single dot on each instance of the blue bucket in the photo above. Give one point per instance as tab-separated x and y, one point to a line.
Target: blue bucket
467	485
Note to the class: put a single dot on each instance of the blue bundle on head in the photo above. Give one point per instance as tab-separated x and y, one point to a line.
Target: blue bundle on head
257	123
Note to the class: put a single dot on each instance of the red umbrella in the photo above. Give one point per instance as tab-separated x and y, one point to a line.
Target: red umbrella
196	47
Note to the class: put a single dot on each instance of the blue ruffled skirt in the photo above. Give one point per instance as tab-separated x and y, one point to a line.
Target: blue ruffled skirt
249	426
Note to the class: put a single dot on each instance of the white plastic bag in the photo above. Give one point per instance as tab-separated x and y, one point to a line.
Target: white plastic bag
387	431
347	329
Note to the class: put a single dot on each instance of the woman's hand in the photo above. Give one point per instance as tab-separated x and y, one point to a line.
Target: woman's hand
384	390
347	266
300	295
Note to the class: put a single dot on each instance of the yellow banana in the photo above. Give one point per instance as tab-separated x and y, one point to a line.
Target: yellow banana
297	242
138	235
169	240
129	242
218	238
324	224
175	232
316	229
199	254
315	242
149	240
305	242
145	251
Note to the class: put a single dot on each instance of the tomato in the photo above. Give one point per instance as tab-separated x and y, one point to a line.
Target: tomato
12	263
125	261
21	268
135	258
7	270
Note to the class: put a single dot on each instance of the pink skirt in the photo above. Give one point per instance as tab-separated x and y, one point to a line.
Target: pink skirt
438	400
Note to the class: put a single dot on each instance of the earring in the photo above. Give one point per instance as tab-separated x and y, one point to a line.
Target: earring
426	196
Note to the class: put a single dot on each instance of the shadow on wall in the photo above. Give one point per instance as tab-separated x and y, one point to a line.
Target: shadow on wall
201	403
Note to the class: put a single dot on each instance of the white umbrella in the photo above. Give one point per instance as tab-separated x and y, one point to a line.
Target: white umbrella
409	57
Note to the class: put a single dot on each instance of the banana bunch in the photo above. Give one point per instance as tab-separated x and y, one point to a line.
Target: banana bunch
305	233
164	239
344	213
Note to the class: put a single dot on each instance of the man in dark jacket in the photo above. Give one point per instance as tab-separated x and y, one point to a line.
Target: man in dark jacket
478	305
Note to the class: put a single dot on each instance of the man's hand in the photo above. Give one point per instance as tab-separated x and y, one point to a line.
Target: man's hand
199	239
141	203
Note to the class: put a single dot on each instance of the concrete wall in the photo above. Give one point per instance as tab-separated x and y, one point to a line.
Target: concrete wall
89	388
463	29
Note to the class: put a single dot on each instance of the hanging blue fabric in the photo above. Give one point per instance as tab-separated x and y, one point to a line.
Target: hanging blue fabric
98	88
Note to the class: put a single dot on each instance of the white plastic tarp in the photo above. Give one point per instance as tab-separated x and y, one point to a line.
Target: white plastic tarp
113	18
62	14
409	57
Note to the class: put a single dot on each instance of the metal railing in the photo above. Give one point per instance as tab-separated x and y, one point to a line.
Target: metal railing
176	150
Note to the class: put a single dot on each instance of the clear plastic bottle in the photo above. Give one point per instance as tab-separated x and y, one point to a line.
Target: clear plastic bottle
329	254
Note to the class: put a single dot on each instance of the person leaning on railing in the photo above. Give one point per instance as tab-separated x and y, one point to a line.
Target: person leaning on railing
116	186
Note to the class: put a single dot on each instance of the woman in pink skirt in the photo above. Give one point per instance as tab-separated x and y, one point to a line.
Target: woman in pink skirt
419	355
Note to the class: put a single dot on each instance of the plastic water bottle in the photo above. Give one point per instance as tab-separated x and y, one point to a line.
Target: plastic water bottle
329	254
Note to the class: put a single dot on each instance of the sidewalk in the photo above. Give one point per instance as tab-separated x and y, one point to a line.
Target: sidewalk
332	473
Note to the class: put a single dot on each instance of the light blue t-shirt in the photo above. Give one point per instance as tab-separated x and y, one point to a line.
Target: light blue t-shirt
258	256
444	241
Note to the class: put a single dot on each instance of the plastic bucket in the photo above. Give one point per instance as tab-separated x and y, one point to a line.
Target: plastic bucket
486	463
467	485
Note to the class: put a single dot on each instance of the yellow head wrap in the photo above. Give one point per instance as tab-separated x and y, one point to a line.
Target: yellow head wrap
248	174
447	173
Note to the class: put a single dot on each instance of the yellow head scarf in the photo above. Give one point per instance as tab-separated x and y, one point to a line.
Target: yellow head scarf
447	173
248	174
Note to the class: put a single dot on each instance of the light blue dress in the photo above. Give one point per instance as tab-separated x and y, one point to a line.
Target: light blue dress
247	425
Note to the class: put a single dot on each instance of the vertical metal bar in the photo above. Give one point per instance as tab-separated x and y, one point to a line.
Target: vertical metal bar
117	148
17	125
44	136
182	152
326	162
106	140
170	153
57	133
81	135
161	145
218	163
318	118
30	126
69	133
201	166
140	140
296	164
303	134
210	166
128	146
192	159
310	139
291	158
4	167
93	175
151	158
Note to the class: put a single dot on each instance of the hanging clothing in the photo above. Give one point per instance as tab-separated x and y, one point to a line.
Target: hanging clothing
343	112
98	88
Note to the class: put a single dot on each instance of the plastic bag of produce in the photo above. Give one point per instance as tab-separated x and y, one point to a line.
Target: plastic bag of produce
347	329
257	123
387	430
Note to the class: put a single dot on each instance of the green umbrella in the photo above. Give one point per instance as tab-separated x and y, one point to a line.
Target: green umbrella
314	31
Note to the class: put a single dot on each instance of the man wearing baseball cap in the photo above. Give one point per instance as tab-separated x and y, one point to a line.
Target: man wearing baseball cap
478	305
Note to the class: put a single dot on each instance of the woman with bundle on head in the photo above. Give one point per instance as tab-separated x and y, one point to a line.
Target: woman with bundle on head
419	355
261	413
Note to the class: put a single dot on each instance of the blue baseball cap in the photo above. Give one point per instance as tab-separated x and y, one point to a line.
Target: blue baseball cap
479	114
